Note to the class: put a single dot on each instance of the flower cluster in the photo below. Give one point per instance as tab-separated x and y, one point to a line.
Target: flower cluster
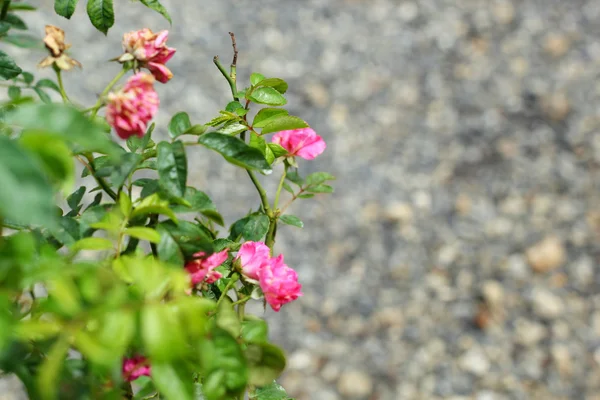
135	367
202	268
278	282
150	51
130	109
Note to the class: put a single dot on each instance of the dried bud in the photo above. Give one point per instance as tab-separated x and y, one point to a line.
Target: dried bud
55	43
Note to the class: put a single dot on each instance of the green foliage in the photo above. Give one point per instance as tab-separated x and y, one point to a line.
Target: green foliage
115	258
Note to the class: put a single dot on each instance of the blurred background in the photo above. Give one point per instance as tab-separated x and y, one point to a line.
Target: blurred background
458	257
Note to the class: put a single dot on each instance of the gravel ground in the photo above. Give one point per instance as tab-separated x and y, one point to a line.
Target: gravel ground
458	256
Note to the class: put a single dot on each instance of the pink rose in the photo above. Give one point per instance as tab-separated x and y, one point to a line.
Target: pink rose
150	50
202	268
303	142
253	257
279	283
135	367
130	109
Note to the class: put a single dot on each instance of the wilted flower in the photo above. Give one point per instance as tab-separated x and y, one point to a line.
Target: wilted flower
202	269
130	109
150	51
253	256
55	43
303	142
135	367
279	283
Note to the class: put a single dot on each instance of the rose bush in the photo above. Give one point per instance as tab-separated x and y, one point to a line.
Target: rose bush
106	293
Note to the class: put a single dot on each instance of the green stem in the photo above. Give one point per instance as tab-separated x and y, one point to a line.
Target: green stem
261	193
241	311
61	86
228	287
278	193
230	80
270	238
242	301
5	6
106	90
103	184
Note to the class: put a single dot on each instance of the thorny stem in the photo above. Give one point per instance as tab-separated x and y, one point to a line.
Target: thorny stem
106	90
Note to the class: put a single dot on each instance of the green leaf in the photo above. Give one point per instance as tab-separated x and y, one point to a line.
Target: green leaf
67	122
256	227
27	77
317	178
258	142
200	202
162	333
125	204
26	196
306	196
15	21
232	128
268	115
75	198
268	96
277	150
124	168
47	83
8	68
266	362
24	41
190	238
222	361
172	167
227	318
49	372
21	7
233	106
42	95
320	189
92	243
288	188
65	8
101	14
159	8
255	78
168	249
179	124
4	27
293	177
276	83
54	155
272	391
284	123
292	220
235	151
143	233
153	204
14	92
255	331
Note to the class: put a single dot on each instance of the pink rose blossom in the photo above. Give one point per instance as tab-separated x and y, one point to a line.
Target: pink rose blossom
135	367
279	283
202	269
130	109
253	256
150	50
303	142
